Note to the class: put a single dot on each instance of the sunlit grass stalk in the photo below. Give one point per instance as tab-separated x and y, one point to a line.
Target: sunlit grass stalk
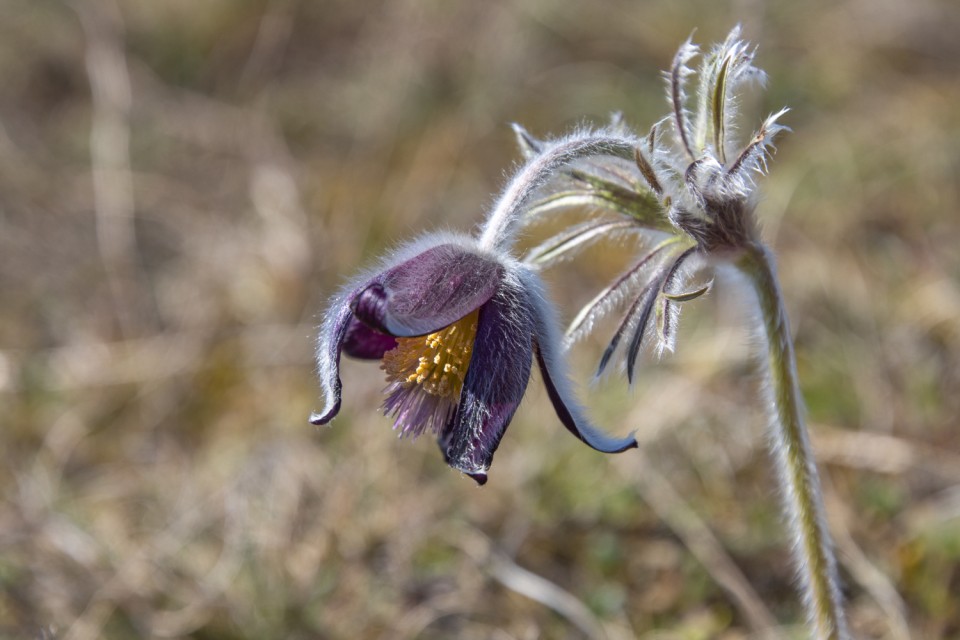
790	445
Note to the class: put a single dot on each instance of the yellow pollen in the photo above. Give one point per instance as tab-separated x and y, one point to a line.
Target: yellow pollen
438	362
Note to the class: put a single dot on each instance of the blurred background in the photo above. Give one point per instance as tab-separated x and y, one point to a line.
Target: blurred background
182	186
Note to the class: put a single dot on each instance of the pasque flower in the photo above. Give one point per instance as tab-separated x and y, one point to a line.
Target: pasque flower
456	323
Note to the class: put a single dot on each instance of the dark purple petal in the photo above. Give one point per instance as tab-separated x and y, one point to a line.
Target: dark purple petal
364	343
495	384
585	432
428	292
553	370
370	306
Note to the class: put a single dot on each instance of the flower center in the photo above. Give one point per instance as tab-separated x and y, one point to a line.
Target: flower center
437	362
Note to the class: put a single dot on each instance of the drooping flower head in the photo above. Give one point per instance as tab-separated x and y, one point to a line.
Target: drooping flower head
456	323
687	192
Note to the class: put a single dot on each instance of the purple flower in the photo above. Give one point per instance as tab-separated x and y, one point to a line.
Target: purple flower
456	326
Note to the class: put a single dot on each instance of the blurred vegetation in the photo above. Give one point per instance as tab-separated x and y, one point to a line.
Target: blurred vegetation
183	183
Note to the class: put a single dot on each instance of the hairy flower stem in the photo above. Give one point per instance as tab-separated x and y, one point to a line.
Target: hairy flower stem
498	230
790	444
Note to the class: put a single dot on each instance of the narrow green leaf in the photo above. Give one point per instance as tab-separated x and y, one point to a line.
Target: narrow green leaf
607	298
641	205
687	296
704	120
719	105
574	238
529	146
661	315
569	199
646	169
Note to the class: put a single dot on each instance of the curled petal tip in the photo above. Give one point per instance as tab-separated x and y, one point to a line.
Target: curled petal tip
479	478
569	411
632	444
323	418
369	307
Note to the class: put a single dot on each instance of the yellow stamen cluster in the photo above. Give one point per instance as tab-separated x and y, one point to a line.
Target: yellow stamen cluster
437	362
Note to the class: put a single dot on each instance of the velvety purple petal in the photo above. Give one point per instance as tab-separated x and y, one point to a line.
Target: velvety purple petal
333	333
364	343
553	370
428	292
568	412
495	384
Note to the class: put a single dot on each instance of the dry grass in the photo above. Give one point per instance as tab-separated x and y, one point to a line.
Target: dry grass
183	183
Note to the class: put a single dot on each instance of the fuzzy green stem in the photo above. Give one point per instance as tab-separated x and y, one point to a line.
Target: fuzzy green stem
790	446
